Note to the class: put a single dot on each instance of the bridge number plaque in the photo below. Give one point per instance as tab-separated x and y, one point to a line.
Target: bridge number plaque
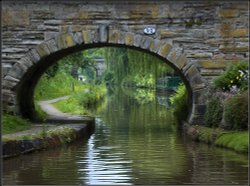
149	30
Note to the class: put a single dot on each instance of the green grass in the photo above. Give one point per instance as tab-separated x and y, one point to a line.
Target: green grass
237	141
84	101
71	106
12	124
209	135
50	88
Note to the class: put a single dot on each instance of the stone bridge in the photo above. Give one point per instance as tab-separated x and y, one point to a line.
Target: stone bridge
198	39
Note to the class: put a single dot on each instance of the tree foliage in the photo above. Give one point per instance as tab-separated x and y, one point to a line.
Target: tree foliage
131	67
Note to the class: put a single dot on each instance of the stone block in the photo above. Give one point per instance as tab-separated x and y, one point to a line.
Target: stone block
25	61
87	38
155	46
213	42
9	78
166	34
33	56
202	55
15	18
211	72
137	40
78	38
164	49
69	41
129	39
191	72
8	84
212	64
113	36
121	38
228	13
50	35
95	36
103	33
51	44
17	71
43	50
146	42
174	54
231	32
233	48
200	96
197	80
240	32
186	67
60	41
181	62
195	86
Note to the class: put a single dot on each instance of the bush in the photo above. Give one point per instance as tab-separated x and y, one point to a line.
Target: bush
235	75
214	112
179	102
236	111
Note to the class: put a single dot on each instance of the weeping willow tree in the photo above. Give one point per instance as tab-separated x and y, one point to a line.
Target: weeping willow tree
116	60
134	68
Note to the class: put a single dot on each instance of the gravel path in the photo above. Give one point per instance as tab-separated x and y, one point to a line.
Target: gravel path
54	113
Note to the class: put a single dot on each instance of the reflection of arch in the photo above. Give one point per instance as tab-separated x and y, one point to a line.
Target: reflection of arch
21	79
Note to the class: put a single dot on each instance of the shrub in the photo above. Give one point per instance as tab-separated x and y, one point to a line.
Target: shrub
179	103
236	111
234	76
214	112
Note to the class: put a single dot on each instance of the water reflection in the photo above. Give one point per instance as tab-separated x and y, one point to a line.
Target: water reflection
135	142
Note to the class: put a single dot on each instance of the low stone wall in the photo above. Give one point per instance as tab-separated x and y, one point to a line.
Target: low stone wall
12	148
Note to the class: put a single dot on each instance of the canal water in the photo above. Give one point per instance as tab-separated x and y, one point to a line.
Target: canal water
135	142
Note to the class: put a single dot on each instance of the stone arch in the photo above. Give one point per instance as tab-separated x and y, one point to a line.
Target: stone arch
20	81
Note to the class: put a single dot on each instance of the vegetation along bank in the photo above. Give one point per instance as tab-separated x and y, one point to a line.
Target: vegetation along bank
226	118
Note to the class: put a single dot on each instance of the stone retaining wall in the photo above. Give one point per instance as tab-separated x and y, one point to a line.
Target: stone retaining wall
12	148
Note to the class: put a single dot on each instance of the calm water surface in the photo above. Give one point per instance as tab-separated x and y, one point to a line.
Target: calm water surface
135	142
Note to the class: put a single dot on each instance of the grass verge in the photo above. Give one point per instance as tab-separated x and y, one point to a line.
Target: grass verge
83	102
235	140
12	124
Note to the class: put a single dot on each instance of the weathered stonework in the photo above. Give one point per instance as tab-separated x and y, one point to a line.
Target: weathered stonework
199	40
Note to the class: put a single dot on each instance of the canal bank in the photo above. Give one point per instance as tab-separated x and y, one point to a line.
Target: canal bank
30	141
234	140
59	129
135	142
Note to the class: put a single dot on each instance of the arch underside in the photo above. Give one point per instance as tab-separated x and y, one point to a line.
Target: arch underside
20	81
